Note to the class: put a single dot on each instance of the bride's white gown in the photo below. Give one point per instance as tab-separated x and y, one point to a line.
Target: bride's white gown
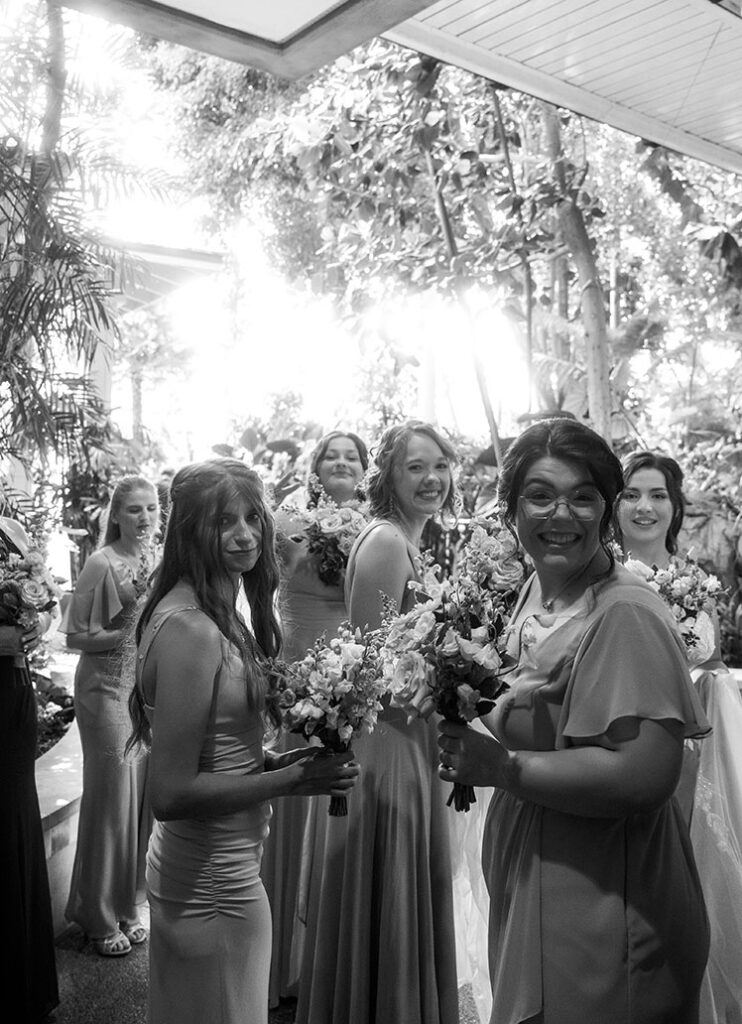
716	835
471	899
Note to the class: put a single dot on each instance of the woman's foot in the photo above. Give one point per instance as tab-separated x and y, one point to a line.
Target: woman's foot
112	945
135	933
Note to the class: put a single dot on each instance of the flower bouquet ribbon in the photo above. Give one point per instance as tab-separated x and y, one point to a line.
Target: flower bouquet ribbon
447	653
333	693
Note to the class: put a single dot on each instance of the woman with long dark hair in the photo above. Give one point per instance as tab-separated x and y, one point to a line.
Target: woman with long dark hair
203	638
648	518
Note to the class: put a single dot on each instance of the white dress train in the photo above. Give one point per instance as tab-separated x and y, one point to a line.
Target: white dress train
716	835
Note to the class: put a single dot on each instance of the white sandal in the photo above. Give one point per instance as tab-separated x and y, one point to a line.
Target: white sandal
135	933
112	945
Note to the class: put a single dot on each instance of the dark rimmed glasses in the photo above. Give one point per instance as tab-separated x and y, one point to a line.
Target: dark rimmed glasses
584	504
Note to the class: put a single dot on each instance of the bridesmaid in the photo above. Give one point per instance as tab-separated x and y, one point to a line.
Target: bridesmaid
648	517
596	911
380	931
28	972
200	701
114	813
310	606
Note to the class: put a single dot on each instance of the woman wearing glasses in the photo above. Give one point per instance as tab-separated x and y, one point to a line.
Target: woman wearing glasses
596	909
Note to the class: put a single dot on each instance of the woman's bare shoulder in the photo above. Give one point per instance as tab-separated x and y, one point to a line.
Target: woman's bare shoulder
385	537
187	625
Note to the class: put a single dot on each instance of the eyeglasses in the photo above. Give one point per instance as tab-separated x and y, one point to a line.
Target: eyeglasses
583	505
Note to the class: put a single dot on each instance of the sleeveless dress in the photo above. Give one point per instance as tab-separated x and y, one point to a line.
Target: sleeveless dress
115	816
308	608
593	919
210	939
380	945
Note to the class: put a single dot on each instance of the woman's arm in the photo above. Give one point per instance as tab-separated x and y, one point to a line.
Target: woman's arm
95	643
382	566
103	639
181	669
632	769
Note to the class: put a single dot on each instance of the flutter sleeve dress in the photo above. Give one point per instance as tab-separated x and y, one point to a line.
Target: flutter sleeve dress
593	919
115	815
309	608
380	946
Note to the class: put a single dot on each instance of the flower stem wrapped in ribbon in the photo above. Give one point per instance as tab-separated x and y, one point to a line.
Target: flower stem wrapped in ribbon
446	653
333	693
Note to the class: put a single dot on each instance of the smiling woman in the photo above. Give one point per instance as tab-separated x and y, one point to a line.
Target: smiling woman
381	907
585	852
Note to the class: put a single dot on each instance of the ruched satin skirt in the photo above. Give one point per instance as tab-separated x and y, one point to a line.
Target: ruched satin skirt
210	943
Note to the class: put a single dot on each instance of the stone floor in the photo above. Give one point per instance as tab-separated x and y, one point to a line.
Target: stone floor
101	990
106	990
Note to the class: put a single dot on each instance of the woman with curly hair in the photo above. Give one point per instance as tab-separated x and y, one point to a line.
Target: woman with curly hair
203	638
380	929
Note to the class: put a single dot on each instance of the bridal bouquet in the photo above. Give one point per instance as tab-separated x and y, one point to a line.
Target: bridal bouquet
447	653
334	692
688	592
331	530
27	588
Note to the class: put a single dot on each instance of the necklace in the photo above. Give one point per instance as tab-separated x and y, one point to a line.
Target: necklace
548	603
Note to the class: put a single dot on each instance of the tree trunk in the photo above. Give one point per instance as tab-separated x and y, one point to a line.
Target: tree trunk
137	423
574	233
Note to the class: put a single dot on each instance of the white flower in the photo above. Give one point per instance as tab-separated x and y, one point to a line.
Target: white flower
639	568
468	700
331	523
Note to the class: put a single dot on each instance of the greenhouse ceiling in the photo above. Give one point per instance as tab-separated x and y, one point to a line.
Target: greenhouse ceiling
665	70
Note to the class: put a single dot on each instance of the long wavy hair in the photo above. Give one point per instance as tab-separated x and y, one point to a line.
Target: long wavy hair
673	477
314	488
124	487
388	453
570	441
199	495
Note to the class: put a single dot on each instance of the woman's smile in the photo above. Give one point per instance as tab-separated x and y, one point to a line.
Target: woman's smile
559	538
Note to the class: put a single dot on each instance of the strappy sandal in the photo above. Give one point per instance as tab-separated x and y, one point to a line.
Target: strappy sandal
113	945
135	933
